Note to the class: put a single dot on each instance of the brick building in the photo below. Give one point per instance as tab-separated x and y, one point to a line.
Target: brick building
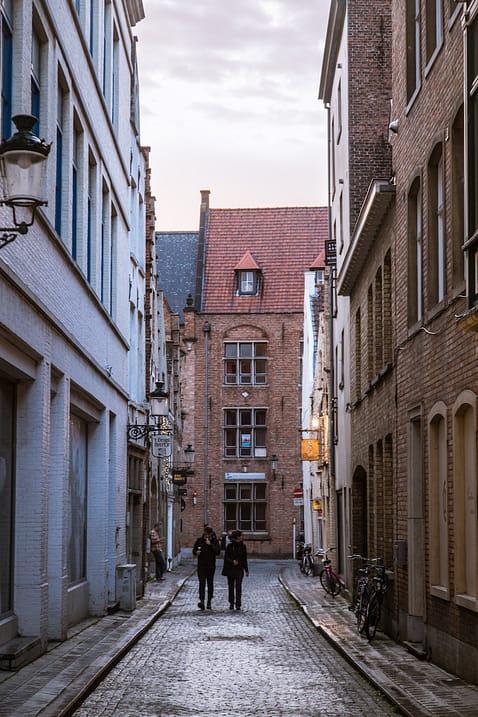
244	336
435	359
355	86
410	275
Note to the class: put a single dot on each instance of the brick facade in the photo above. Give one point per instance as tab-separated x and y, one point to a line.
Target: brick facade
278	240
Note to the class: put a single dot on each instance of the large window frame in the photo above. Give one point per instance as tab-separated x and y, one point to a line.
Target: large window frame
6	68
245	432
471	123
245	363
245	506
415	254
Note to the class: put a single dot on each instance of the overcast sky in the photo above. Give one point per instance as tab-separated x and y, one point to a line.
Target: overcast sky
229	103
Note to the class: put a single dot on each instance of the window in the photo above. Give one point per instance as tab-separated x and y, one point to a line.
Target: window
457	199
77	495
248	283
465	494
75	179
245	432
245	362
413	48
6	69
358	354
434	27
472	163
35	80
436	229
415	253
7	493
438	502
245	507
59	159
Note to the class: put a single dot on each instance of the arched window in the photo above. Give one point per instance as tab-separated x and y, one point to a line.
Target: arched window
465	494
437	463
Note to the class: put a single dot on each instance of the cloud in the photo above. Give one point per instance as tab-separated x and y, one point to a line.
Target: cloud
239	74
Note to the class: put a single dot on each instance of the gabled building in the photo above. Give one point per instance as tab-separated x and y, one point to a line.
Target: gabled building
245	332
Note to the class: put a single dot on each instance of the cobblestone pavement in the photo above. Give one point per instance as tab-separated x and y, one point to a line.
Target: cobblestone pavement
265	661
55	684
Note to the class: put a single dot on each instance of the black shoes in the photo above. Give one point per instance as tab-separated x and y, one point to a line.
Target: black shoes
238	607
201	605
231	606
209	606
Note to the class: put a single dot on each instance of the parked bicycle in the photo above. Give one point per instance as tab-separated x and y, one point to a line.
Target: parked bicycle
329	580
304	554
374	608
362	591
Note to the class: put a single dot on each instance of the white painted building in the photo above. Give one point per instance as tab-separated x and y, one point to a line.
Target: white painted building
71	301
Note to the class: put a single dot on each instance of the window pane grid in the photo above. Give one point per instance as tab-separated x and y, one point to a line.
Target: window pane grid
244	432
245	362
245	507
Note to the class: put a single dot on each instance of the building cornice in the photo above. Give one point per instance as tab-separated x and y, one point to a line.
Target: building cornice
332	44
378	199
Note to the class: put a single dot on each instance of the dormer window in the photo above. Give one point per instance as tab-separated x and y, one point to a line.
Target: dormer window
248	276
248	283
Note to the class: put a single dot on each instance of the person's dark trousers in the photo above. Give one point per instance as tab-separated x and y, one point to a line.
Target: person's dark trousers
234	583
160	564
206	577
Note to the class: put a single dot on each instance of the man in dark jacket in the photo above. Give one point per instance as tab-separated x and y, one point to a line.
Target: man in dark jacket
206	548
235	565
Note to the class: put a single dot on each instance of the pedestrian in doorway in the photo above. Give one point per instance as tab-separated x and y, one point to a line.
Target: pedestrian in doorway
157	551
235	566
206	548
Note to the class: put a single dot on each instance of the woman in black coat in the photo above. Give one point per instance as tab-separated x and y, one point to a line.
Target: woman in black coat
235	565
206	548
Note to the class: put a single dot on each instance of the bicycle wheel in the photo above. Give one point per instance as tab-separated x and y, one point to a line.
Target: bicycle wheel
362	611
374	612
308	567
330	582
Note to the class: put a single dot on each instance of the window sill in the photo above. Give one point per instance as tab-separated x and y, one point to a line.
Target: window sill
440	591
467	601
256	536
469	320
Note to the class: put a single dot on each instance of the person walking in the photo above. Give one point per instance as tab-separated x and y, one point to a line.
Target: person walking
157	551
235	566
206	548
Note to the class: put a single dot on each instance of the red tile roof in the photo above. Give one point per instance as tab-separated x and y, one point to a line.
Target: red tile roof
284	243
247	263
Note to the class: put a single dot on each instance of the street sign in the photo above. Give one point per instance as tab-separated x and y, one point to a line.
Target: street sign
298	492
162	445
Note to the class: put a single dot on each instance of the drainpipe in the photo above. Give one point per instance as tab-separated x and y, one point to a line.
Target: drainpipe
332	407
207	331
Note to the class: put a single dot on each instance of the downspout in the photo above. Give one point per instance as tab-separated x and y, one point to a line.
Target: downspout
207	331
332	398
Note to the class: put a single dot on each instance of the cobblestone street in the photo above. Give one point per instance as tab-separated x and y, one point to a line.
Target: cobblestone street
267	660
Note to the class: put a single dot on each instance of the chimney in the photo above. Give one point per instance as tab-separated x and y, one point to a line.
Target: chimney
203	212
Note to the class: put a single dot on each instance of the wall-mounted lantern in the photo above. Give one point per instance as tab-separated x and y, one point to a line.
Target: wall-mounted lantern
21	166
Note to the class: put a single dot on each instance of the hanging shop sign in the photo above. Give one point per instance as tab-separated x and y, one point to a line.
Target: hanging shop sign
310	449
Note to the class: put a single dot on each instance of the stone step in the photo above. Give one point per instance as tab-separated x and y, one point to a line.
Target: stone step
19	652
417	649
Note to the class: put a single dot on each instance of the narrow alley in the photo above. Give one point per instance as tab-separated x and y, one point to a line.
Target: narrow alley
264	661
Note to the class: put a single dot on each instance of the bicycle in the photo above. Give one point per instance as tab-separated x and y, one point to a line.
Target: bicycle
361	597
329	580
374	608
306	564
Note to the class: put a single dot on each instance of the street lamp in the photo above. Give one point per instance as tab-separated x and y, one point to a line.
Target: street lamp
21	164
189	453
274	462
159	410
